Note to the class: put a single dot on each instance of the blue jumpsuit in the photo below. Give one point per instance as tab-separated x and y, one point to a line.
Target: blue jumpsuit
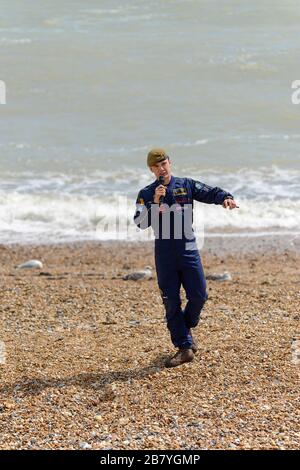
177	258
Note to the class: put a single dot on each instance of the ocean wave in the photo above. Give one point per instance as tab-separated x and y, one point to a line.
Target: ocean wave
60	217
15	41
189	144
98	150
107	11
262	184
251	215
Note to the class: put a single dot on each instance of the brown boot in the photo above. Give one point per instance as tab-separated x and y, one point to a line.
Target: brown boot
182	356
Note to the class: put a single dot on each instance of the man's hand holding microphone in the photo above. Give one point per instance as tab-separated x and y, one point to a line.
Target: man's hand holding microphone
160	192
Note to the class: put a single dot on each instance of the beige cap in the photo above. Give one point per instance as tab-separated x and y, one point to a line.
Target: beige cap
155	156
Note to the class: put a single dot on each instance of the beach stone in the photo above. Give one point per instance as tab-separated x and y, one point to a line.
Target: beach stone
123	421
85	445
141	275
126	266
226	276
31	264
2	353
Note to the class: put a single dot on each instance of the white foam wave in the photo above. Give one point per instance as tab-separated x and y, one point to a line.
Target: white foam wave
264	184
189	144
251	215
62	217
15	41
102	11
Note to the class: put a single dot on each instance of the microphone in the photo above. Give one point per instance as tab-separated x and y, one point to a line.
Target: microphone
161	180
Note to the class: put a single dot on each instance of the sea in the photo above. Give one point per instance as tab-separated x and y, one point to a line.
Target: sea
91	86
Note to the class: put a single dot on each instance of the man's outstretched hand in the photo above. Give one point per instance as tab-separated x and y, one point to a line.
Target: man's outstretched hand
229	203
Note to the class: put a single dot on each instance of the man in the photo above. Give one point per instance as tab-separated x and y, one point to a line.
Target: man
168	208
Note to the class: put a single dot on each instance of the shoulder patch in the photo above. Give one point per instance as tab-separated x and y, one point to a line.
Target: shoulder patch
201	186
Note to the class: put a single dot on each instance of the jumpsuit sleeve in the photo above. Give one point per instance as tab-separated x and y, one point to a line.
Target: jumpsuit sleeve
142	216
203	193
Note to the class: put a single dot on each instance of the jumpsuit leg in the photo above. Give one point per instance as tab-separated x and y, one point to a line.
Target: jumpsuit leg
193	280
169	282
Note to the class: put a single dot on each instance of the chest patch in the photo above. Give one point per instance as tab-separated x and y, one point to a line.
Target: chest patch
179	192
182	200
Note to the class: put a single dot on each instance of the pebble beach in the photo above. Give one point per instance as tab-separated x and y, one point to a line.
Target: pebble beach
85	94
82	350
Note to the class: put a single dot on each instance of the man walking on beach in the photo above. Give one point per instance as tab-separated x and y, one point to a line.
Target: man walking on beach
167	205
